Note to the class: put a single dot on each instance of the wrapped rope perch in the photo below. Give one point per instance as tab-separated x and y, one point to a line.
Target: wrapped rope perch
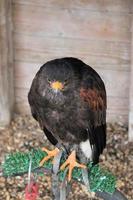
18	163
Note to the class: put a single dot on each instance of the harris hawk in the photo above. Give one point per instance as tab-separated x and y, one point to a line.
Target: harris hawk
68	99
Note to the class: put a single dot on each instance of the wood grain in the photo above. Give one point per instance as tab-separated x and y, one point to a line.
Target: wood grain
131	90
42	21
103	54
6	63
91	5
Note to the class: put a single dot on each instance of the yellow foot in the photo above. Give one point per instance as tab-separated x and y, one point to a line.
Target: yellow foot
71	161
51	154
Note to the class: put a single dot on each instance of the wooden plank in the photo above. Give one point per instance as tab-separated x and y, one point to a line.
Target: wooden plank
130	133
113	102
116	81
71	24
117	117
6	63
103	54
117	107
91	5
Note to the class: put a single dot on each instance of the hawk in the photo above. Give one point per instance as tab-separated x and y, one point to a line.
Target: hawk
68	99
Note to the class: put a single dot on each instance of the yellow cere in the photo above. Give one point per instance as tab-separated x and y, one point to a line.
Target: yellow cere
57	85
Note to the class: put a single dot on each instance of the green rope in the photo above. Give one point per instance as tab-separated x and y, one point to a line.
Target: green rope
18	163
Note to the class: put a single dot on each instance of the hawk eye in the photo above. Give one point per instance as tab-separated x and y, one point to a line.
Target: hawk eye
48	80
65	82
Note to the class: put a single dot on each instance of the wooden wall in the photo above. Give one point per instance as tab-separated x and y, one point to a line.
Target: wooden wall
130	127
97	31
6	63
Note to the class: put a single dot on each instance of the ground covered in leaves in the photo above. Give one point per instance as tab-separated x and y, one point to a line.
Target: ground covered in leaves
24	133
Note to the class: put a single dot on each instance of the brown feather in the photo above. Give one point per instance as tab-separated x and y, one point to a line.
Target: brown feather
95	98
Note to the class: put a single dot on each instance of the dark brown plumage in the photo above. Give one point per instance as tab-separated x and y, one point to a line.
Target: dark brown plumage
68	99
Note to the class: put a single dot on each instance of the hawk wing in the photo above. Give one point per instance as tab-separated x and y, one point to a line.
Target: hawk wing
37	111
93	94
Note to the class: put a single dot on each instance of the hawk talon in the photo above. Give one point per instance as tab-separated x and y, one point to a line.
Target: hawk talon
51	154
71	161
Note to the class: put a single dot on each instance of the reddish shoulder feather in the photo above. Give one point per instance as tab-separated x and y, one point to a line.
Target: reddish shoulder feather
95	98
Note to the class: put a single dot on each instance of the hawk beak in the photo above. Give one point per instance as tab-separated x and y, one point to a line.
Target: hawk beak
56	85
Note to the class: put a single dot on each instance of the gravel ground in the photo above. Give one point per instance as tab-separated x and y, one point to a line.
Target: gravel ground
24	133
